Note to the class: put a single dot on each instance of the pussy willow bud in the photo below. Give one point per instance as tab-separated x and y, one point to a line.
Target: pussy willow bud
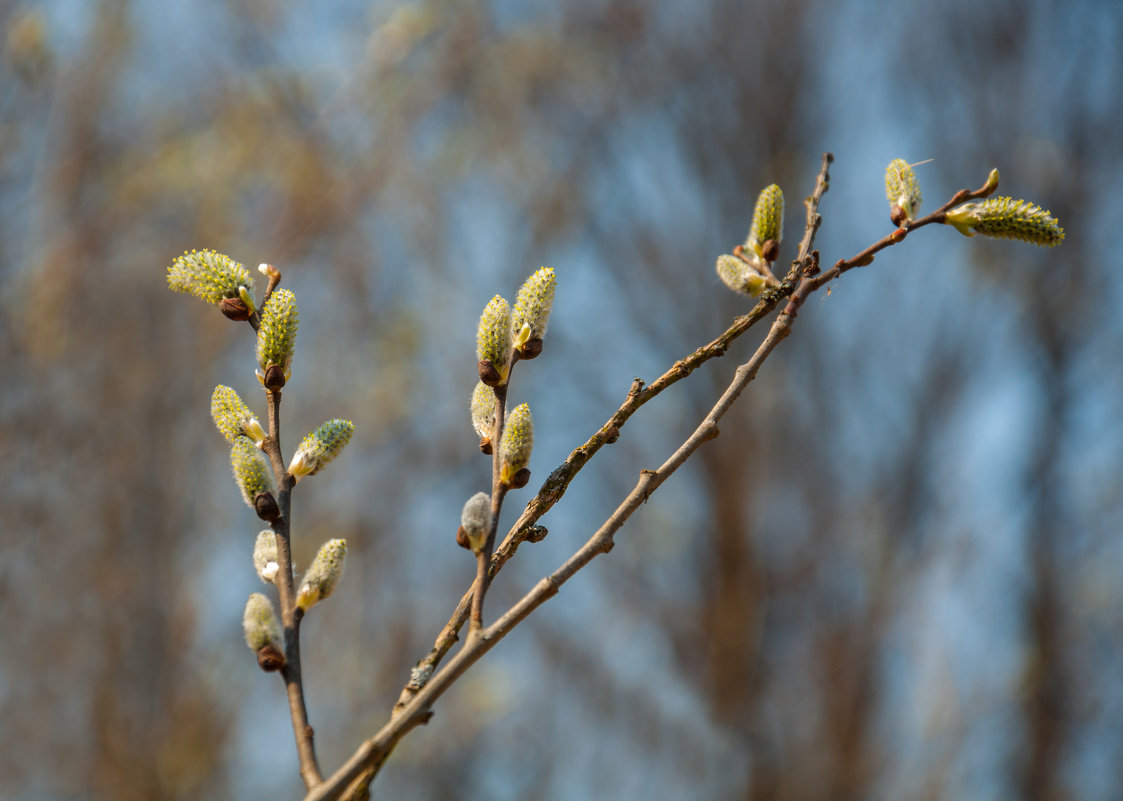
493	342
1006	218
739	276
532	312
263	632
902	189
209	276
485	409
249	470
323	576
768	219
518	441
320	447
233	418
265	559
475	522
275	339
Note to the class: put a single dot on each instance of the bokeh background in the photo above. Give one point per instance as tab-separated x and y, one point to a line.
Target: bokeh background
896	574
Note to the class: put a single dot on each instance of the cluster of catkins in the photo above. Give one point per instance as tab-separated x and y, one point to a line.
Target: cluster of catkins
223	282
505	335
748	269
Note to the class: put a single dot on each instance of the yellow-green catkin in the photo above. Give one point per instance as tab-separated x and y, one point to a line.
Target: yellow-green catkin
739	276
276	335
517	444
768	219
250	470
902	188
265	559
209	276
233	418
323	575
493	337
484	410
259	622
320	447
475	520
1007	218
532	307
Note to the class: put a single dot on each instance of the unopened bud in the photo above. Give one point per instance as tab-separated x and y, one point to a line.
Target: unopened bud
992	181
475	522
484	410
265	559
263	632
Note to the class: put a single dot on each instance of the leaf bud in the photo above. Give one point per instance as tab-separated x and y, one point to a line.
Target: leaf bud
475	522
1006	218
209	276
323	575
517	443
992	181
532	312
276	337
233	418
493	342
320	447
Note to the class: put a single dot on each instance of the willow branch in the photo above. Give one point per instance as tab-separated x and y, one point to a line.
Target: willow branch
415	705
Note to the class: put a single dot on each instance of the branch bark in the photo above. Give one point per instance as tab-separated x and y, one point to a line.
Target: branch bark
290	615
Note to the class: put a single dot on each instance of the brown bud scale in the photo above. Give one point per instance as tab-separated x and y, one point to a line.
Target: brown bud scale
770	250
488	374
520	479
531	349
266	507
270	659
234	309
274	378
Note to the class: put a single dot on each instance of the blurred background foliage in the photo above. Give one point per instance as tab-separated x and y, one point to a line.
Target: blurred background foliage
895	574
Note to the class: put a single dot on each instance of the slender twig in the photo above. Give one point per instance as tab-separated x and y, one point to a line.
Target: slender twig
498	490
290	615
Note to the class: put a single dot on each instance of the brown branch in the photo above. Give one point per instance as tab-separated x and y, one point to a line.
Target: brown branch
498	491
290	615
558	481
414	707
